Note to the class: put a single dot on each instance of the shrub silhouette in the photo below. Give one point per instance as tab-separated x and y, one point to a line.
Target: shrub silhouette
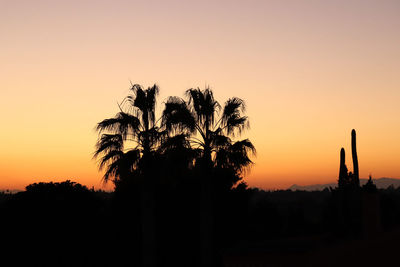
54	224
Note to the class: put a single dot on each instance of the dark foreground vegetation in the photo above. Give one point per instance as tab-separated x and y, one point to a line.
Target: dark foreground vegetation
180	200
66	224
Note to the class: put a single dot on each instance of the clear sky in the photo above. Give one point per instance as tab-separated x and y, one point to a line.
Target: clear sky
309	71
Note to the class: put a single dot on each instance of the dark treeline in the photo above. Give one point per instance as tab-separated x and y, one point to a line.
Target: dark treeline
180	200
66	224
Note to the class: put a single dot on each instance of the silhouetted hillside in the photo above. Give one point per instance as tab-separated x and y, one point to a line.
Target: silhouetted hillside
381	183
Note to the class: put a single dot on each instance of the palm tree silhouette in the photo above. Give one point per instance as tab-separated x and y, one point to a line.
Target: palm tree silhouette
197	117
119	164
128	148
211	136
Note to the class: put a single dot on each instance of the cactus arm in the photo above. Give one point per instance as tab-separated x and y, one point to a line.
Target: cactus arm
355	158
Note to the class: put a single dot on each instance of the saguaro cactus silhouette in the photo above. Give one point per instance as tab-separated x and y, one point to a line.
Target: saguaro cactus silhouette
343	176
356	178
348	198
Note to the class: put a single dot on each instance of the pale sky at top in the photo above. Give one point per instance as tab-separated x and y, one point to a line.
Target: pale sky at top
309	71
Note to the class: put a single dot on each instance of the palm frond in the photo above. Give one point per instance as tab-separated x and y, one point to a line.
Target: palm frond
111	156
123	124
138	98
144	100
219	141
204	105
234	105
194	100
232	119
151	97
177	116
178	154
236	125
109	142
244	146
179	141
120	165
112	171
237	156
210	106
132	157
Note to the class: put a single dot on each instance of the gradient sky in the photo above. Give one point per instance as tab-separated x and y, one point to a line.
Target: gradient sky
309	71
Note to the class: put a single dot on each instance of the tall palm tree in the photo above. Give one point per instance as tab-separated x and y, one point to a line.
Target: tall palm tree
212	136
128	145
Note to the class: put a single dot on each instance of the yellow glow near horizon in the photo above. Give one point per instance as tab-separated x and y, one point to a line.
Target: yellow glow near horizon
308	71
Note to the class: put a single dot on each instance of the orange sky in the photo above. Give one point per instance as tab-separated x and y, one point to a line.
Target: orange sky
310	71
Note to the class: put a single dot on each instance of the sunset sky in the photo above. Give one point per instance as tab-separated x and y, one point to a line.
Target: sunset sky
309	71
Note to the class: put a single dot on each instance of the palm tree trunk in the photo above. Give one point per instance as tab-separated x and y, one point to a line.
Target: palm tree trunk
207	212
207	224
148	223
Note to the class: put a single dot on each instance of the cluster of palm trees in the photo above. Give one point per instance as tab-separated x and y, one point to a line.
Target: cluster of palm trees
193	135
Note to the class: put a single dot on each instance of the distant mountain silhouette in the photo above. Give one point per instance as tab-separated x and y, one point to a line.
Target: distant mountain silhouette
381	183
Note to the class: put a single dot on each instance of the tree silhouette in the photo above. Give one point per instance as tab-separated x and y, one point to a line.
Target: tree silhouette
128	148
219	156
212	137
